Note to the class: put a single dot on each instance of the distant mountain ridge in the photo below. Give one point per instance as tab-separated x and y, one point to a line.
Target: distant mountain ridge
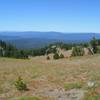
34	39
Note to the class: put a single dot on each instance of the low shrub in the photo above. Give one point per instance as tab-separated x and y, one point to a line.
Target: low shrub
48	58
20	85
61	56
56	56
77	51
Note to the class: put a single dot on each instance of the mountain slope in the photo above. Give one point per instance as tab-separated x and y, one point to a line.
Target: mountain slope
40	39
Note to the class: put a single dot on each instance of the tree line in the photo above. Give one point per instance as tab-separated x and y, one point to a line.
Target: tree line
7	50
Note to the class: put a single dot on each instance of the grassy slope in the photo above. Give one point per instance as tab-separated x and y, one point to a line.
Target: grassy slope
39	73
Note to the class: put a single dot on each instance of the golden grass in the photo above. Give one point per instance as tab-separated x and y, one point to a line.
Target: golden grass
40	73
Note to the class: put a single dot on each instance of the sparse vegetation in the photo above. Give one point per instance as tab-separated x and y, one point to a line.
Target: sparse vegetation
27	98
56	56
89	97
93	91
7	50
38	73
94	44
48	58
77	51
92	95
69	86
61	56
20	85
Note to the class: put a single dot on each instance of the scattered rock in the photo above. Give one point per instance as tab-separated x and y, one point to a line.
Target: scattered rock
74	94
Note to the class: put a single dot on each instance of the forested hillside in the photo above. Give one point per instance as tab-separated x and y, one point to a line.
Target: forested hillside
7	50
29	40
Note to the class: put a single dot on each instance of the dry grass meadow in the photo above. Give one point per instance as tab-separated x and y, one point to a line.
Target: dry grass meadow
44	76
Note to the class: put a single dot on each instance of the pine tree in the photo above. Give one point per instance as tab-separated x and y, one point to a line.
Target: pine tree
94	44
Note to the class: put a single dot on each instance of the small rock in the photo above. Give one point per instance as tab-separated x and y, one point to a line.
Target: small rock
91	84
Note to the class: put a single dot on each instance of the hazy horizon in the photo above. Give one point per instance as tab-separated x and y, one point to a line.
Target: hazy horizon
50	32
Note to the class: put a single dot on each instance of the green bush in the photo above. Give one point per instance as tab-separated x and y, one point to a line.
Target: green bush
56	56
61	55
77	51
94	44
48	58
20	85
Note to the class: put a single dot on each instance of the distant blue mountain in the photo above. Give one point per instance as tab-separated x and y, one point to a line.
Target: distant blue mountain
40	39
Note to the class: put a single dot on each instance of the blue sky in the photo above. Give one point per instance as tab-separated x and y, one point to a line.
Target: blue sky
50	15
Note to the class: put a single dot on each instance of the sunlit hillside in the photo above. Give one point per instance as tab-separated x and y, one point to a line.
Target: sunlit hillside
69	78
